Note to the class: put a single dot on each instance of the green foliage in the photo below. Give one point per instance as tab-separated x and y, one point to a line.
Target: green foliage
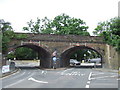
25	53
7	35
61	24
20	36
40	26
11	56
110	30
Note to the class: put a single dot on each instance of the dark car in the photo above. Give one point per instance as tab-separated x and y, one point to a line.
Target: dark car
74	62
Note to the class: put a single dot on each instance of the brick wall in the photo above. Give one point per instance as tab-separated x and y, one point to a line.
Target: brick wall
111	58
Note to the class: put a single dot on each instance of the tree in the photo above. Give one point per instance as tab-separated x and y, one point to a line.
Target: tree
7	35
61	24
110	30
64	24
25	53
40	26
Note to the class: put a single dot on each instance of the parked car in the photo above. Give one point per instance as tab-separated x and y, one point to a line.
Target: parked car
74	62
95	60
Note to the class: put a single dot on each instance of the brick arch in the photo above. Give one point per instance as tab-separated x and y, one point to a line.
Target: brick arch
44	55
65	55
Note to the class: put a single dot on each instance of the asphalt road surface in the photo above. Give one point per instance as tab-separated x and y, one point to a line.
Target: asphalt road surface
61	78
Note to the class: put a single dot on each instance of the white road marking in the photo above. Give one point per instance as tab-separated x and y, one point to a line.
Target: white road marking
62	73
68	74
118	79
75	73
98	74
32	79
72	73
87	86
44	72
88	82
102	77
82	74
89	78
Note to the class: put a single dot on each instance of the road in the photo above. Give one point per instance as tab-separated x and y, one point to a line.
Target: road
29	77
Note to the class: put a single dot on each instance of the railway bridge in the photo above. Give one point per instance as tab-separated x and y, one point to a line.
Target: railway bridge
65	45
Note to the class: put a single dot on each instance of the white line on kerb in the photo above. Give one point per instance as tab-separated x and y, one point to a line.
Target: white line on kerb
89	78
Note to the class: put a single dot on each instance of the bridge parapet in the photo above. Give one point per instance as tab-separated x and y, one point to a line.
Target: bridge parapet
63	38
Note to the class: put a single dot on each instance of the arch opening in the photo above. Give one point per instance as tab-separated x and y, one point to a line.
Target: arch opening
38	53
82	54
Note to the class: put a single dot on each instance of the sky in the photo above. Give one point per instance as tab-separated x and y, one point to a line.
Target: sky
19	12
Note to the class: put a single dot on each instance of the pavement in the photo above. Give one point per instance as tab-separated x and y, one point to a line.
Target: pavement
9	73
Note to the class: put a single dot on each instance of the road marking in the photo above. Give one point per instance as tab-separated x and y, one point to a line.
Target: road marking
62	73
82	74
73	74
32	79
89	78
102	77
98	74
87	86
44	72
88	82
118	79
68	74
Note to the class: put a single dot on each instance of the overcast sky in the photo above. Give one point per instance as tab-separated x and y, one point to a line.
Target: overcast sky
19	12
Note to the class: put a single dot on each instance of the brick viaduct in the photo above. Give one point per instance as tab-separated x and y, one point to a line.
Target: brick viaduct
46	44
